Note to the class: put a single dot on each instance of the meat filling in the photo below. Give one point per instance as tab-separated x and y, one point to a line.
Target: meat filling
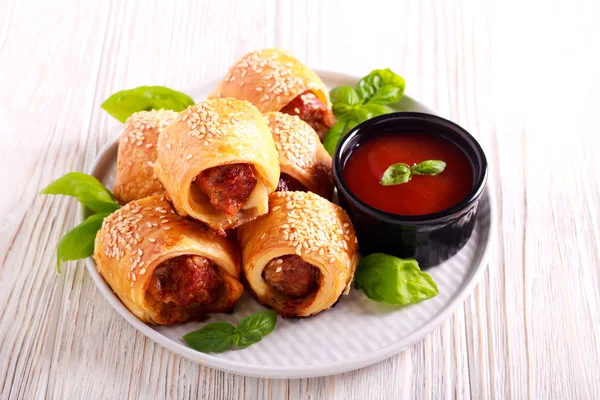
291	275
227	186
186	280
289	184
312	111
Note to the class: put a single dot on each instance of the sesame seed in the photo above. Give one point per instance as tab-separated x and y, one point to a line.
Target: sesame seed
264	235
166	228
279	261
332	259
150	163
133	277
168	145
278	269
142	271
151	240
188	157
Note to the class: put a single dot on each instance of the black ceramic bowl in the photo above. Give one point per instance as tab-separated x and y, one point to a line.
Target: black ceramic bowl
431	238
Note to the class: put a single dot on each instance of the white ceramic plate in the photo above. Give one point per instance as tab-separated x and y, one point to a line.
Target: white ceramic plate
355	333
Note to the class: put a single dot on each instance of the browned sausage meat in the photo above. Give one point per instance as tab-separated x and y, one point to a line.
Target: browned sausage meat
289	184
185	280
312	111
291	275
227	186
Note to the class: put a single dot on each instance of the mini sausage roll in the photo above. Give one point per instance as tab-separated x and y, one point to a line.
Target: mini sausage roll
134	178
305	164
166	269
218	163
301	256
274	80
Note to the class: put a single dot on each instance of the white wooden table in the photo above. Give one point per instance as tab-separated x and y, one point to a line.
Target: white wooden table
522	77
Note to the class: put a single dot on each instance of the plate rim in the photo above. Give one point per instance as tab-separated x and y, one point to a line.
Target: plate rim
296	372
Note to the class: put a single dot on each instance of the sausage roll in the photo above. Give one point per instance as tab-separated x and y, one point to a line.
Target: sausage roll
305	164
218	163
274	80
134	178
301	256
166	269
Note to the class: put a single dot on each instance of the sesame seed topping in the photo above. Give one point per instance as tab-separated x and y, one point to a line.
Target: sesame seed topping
298	144
166	228
151	240
279	261
188	157
278	269
142	271
169	146
314	225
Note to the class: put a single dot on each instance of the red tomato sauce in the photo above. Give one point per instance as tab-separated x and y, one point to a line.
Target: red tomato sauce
422	194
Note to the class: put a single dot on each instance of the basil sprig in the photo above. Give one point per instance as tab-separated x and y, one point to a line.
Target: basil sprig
221	336
393	280
145	98
78	243
370	98
399	173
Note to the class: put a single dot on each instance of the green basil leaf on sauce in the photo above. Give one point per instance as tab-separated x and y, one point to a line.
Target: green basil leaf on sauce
78	243
145	98
429	167
393	280
87	189
335	134
253	328
396	174
381	86
213	338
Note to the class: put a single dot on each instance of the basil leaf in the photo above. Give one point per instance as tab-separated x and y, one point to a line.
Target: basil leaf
78	243
144	98
396	174
86	188
213	338
253	328
369	111
335	134
429	167
344	100
381	86
393	280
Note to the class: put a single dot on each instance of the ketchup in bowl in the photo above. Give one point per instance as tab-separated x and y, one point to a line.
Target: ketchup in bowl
427	217
422	194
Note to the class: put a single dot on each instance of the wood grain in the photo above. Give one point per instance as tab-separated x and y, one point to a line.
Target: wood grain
521	76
